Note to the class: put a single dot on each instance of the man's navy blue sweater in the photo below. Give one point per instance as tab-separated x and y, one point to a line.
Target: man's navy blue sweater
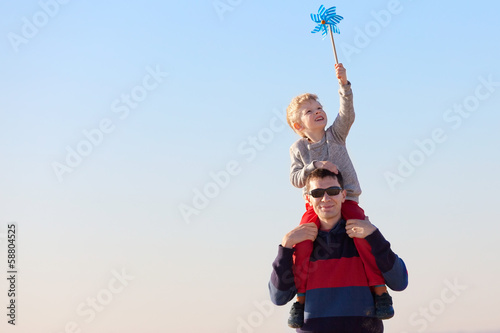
338	297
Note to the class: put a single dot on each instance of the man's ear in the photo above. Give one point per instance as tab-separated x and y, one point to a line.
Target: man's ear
344	195
307	198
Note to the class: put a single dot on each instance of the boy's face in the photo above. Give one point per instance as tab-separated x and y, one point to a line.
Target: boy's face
312	116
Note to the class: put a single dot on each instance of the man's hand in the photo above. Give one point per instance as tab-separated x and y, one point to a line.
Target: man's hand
307	231
359	228
326	165
341	74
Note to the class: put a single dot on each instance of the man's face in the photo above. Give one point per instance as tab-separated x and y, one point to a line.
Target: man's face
327	207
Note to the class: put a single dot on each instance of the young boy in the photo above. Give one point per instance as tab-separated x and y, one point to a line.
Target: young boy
320	148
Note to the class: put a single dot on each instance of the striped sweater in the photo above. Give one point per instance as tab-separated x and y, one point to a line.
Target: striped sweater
338	298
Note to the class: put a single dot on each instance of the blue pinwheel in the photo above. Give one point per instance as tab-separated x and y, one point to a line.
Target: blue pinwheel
327	19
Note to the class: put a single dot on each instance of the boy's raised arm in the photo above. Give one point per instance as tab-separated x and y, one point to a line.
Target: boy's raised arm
341	74
345	118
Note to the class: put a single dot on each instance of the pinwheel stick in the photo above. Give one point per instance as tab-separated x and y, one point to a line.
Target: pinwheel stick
333	44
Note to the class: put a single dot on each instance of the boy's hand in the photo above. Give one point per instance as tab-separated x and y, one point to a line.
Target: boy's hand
359	228
307	231
326	165
341	74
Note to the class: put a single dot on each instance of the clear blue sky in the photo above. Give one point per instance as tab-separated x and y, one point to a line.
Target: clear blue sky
145	156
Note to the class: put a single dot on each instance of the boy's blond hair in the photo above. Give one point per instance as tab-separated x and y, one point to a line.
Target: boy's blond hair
292	111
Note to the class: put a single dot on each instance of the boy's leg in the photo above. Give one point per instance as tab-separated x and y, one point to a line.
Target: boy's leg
383	302
301	256
351	210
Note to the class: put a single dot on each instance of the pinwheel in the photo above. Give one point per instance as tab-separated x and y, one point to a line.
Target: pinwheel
324	18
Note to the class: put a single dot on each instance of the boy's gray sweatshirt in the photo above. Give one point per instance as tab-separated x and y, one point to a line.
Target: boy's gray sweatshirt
331	148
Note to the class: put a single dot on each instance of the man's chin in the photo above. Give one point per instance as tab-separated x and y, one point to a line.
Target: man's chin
327	214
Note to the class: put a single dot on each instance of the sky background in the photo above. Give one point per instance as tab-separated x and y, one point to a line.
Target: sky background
145	157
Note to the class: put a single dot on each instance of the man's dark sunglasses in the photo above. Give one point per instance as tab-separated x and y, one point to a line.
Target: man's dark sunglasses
320	192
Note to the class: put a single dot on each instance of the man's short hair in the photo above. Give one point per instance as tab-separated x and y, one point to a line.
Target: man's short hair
323	173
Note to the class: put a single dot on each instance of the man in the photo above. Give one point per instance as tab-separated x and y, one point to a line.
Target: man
338	298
